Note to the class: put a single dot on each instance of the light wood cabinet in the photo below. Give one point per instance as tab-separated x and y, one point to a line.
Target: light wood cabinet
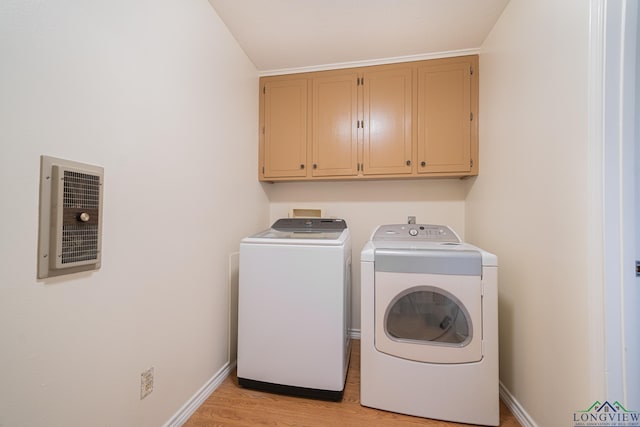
445	116
334	125
284	114
409	120
387	96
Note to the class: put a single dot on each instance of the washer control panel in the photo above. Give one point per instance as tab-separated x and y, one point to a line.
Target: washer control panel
418	232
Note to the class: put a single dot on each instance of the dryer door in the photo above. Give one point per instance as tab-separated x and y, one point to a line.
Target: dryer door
435	318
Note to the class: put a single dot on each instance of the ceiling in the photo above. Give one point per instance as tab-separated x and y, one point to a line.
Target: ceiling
296	34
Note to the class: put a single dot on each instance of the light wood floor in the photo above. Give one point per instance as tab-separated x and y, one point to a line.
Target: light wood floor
232	405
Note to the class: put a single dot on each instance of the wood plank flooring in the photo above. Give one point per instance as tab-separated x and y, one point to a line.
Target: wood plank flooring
232	405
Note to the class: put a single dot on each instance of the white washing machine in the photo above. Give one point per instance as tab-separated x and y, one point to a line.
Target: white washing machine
429	332
294	308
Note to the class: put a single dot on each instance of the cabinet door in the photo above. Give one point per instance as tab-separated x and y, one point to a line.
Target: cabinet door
444	116
334	125
285	128
387	121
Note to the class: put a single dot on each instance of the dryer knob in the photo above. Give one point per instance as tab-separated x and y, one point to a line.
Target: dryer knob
413	232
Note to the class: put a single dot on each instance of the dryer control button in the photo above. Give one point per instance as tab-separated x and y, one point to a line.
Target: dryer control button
413	232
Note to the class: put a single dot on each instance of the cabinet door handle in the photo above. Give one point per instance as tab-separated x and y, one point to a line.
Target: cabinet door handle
408	162
302	166
423	163
315	166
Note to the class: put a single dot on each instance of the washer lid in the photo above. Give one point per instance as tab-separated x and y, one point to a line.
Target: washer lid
272	235
310	224
307	231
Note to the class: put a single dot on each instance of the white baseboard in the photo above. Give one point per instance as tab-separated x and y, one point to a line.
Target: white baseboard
516	408
189	408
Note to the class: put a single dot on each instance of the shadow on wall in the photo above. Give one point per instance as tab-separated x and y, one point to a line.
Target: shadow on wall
505	320
233	277
367	191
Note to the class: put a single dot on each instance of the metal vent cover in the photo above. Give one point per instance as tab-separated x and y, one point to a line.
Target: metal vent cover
77	217
70	217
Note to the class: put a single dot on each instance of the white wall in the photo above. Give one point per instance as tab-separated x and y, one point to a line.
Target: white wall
367	204
530	203
160	94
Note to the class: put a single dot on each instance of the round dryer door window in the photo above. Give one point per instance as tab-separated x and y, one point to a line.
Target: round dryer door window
429	318
428	315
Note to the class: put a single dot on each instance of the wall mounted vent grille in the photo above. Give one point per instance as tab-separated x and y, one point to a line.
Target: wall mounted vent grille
70	217
79	243
81	194
81	190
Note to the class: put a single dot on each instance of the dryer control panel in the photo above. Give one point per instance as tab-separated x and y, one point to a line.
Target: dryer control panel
416	232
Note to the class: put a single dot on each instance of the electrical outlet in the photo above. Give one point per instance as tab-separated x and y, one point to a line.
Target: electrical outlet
146	383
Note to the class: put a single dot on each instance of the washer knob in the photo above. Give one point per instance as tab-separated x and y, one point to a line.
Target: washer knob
413	232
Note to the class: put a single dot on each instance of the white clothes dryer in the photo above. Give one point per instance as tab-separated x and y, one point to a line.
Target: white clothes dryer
429	325
294	308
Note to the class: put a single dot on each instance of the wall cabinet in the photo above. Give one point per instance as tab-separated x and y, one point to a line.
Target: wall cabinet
444	117
334	125
407	120
386	124
283	145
